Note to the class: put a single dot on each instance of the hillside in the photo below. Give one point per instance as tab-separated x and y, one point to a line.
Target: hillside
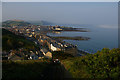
103	64
23	70
10	23
41	22
11	41
33	70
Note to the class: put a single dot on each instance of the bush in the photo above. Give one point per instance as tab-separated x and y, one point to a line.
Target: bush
103	64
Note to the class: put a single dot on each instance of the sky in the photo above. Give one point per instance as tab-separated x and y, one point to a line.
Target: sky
59	0
102	13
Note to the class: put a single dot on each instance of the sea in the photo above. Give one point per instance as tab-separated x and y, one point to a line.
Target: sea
100	37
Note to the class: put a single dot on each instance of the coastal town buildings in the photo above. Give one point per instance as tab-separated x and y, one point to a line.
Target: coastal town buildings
37	34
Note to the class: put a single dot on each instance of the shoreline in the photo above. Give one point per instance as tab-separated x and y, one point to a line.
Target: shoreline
55	41
77	52
78	38
70	38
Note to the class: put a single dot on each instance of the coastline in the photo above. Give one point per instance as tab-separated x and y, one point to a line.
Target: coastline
71	38
38	34
75	50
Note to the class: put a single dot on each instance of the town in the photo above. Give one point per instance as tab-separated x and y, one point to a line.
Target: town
38	35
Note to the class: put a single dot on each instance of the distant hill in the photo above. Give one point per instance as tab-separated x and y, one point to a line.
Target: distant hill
10	23
41	22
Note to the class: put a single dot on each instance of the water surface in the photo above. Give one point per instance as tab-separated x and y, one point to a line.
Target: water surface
100	38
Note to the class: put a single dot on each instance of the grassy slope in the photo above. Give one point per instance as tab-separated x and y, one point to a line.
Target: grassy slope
33	70
76	67
25	69
12	41
103	64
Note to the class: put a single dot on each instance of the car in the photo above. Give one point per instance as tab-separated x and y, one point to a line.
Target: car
56	61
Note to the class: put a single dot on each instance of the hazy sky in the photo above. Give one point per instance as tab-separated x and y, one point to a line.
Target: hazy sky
67	13
60	0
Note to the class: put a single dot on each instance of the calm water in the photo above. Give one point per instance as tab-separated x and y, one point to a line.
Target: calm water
100	38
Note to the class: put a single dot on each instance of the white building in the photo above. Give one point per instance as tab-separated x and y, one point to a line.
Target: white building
38	28
58	29
53	48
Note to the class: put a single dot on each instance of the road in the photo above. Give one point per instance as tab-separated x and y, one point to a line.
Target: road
56	72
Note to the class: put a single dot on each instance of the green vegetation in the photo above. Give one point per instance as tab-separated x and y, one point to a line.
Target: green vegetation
23	70
61	55
10	23
43	69
103	64
11	41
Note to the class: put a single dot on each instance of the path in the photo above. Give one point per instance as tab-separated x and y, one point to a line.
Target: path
56	72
